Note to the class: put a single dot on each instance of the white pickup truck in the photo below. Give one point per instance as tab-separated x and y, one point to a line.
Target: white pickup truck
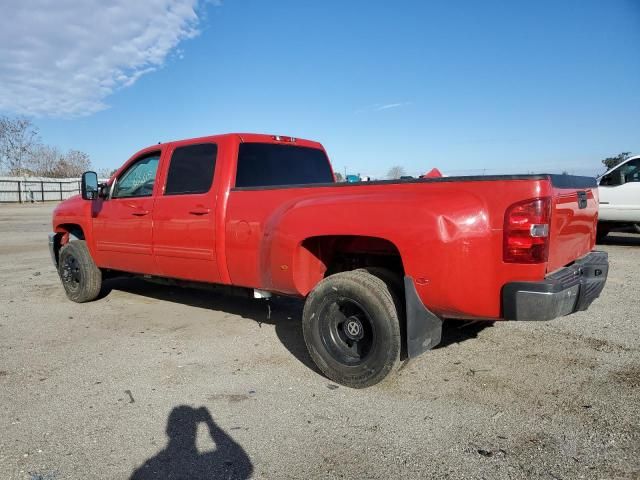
620	197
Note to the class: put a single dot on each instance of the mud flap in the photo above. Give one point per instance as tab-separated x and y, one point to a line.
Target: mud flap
424	329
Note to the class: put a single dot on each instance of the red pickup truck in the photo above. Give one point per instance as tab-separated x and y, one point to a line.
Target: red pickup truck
380	263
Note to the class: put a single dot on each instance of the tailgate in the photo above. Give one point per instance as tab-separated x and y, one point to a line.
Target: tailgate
574	218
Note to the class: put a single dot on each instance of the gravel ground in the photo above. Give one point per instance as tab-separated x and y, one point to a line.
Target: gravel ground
97	390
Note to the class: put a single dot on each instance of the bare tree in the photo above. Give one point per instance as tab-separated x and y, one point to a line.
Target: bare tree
396	172
71	164
43	161
18	139
22	153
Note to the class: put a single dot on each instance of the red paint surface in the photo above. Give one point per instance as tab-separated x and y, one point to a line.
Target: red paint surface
449	234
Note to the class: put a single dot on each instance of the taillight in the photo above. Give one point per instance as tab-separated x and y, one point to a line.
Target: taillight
526	231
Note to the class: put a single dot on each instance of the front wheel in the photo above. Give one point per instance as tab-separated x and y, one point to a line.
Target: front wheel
80	276
352	330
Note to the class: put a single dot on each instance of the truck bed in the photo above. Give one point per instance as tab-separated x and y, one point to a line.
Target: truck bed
447	231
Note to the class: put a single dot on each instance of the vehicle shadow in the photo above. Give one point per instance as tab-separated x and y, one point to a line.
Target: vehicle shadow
458	331
180	459
621	239
282	312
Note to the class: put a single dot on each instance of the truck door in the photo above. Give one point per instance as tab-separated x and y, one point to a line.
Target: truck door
122	224
184	215
620	193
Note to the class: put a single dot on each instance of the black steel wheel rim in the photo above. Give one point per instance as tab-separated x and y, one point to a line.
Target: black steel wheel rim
347	332
70	274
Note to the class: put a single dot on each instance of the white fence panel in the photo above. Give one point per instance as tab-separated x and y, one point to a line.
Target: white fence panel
37	189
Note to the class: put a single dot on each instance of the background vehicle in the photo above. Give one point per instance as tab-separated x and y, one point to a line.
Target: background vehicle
380	264
353	178
620	197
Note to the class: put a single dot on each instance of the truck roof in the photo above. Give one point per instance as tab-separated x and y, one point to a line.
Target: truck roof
252	137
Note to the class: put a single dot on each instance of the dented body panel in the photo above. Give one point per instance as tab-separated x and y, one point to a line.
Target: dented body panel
447	234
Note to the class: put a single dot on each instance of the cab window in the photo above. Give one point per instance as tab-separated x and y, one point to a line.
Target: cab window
269	165
628	172
631	171
191	169
138	179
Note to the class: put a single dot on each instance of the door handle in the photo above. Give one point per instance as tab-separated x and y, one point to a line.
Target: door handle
140	213
200	211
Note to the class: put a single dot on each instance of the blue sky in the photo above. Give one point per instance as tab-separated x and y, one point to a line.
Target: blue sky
465	86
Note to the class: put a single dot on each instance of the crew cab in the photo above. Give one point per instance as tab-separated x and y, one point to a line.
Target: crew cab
620	197
380	264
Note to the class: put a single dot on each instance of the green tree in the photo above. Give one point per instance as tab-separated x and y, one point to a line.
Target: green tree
611	162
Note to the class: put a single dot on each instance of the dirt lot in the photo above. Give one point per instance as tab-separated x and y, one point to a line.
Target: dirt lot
97	390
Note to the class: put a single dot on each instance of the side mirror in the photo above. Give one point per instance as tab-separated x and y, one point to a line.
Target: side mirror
89	185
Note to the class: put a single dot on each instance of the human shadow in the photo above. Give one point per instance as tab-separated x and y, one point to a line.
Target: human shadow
284	313
181	460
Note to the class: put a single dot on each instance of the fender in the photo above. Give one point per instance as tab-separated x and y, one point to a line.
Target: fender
75	211
424	235
295	221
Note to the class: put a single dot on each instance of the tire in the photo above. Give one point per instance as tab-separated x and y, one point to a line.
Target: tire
396	287
80	276
394	283
352	330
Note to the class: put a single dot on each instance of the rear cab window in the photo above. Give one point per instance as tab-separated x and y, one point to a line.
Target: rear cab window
273	165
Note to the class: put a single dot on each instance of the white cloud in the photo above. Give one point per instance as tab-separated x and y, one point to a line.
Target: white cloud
387	106
62	58
378	107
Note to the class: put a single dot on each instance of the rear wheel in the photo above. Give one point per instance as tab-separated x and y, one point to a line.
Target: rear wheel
395	285
351	328
80	276
396	288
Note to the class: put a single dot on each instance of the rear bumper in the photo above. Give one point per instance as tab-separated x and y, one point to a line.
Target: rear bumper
565	291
